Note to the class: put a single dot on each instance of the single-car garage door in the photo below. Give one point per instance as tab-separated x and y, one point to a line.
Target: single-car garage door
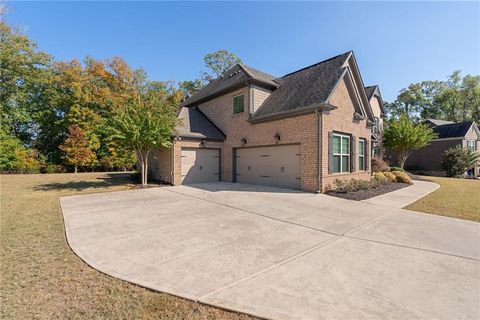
276	166
200	165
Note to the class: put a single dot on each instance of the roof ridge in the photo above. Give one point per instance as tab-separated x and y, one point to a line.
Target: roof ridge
315	64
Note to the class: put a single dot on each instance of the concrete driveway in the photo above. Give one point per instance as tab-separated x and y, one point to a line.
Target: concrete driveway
280	254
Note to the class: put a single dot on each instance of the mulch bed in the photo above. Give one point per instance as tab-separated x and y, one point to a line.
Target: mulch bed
369	193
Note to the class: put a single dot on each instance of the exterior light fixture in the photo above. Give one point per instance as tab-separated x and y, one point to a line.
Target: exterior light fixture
203	143
244	141
277	137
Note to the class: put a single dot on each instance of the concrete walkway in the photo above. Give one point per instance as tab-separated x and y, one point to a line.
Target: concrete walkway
279	254
403	197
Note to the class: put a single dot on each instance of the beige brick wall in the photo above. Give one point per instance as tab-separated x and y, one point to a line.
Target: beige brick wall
472	135
302	129
341	120
160	164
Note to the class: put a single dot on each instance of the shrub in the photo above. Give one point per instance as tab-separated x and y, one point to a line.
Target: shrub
352	185
396	169
457	160
402	177
378	165
380	177
53	168
390	176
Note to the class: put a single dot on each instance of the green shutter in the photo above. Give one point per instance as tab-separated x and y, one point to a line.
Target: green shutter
353	154
330	152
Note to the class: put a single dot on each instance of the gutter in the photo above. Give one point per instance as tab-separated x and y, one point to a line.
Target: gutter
319	153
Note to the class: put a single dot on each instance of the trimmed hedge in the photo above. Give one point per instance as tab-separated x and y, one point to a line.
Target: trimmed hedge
380	177
402	177
390	176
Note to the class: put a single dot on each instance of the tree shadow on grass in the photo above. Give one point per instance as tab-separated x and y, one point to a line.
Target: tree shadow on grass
105	181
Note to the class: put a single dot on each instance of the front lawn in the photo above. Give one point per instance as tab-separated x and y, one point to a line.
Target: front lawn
41	278
456	198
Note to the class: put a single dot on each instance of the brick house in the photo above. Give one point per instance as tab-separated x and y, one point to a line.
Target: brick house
300	131
450	134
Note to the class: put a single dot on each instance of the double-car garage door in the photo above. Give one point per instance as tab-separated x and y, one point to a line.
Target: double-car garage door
276	166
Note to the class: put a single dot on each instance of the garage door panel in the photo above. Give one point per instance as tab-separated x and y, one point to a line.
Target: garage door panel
200	165
273	166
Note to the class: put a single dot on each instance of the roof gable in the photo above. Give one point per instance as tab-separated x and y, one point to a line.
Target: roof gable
374	91
307	87
234	78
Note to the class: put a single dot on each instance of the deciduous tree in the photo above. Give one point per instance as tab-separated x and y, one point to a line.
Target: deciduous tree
146	123
403	136
77	152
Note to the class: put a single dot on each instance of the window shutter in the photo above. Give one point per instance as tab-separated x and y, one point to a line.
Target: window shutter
367	155
353	154
330	152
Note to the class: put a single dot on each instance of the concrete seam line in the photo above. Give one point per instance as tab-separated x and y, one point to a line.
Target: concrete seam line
253	275
259	214
413	248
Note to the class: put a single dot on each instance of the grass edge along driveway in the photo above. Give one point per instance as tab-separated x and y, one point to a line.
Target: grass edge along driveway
456	198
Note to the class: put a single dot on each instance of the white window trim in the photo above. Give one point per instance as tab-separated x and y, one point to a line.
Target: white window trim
341	154
233	98
362	156
474	144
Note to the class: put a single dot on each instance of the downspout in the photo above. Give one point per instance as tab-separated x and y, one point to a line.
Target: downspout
319	153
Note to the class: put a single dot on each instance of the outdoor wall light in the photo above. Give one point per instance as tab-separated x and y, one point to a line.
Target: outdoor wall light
244	141
277	137
203	143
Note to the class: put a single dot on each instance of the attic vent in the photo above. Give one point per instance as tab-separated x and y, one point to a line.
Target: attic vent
232	74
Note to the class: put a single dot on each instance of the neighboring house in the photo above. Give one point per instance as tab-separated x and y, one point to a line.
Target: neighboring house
376	102
299	131
450	134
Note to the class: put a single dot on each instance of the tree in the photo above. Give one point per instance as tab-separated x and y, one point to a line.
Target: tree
456	99
77	152
24	78
146	123
403	136
218	62
457	160
189	87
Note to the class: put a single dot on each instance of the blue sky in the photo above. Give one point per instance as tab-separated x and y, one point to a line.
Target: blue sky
396	43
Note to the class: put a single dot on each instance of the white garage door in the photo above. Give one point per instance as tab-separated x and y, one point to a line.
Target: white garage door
200	165
276	166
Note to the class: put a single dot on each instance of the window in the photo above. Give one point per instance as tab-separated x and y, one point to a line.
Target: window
375	126
341	153
238	104
471	145
361	154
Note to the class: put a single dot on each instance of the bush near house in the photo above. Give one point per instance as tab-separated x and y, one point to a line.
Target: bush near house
457	160
380	177
379	165
390	176
402	177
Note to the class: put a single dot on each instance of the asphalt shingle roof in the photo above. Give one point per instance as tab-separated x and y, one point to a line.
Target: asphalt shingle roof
235	76
452	130
304	88
194	124
370	90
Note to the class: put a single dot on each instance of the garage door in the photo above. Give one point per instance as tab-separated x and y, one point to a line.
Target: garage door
200	165
276	166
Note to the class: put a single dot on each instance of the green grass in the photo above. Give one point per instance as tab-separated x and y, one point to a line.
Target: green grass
456	198
41	278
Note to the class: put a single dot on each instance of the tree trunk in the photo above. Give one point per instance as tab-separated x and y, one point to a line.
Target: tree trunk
75	169
142	157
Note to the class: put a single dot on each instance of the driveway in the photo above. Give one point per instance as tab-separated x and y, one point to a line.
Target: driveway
281	254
